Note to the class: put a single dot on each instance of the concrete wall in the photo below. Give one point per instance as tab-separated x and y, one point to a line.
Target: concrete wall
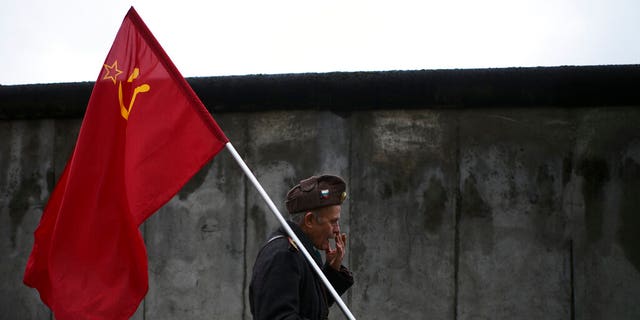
453	213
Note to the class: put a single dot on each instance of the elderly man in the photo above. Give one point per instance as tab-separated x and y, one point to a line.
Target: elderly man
283	285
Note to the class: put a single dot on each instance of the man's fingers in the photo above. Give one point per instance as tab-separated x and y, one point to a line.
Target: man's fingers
341	240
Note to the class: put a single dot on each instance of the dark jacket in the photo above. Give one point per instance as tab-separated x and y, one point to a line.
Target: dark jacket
284	286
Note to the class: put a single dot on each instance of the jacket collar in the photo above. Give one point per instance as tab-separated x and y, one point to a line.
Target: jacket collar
305	241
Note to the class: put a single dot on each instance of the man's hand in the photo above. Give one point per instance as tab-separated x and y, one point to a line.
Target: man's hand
334	256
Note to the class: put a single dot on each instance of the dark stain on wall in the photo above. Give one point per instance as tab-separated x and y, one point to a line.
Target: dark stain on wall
260	226
567	168
473	205
477	218
595	173
195	182
435	200
5	162
51	180
19	203
543	196
279	151
386	191
399	185
547	218
629	232
28	188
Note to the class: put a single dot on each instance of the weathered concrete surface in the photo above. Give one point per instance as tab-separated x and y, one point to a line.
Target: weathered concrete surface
26	177
514	254
606	209
480	213
402	214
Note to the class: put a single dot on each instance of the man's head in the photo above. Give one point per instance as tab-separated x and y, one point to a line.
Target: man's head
314	204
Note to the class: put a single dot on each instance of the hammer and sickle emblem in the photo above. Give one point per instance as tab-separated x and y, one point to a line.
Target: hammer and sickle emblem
124	111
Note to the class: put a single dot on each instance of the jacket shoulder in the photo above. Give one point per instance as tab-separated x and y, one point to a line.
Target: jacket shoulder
280	243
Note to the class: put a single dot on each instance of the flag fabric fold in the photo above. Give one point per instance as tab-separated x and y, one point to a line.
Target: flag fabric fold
145	133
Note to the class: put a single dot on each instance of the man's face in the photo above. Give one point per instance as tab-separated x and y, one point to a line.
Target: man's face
326	227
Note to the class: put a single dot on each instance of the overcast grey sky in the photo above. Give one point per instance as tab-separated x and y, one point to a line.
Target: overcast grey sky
43	41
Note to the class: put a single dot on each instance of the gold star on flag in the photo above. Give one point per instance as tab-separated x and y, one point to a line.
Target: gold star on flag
112	71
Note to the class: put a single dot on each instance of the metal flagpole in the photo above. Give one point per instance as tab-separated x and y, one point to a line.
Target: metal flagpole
290	232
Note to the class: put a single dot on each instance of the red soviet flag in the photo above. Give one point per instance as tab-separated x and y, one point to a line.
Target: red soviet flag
144	134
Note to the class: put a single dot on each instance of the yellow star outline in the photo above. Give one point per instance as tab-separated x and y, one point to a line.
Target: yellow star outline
112	71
